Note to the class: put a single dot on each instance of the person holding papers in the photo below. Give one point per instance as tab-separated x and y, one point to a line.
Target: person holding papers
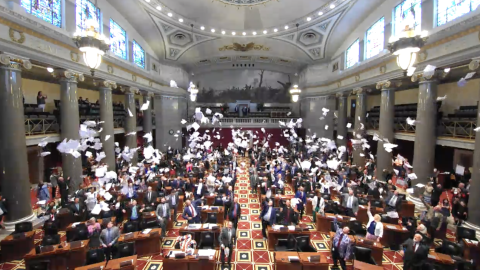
268	216
108	239
318	204
235	212
227	241
342	246
163	215
374	226
190	213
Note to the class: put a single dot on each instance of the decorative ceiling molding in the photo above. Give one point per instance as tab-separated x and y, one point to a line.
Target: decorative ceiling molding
313	39
177	40
247	58
244	3
244	47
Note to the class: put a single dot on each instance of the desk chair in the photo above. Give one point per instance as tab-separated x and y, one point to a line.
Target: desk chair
363	254
146	224
207	240
40	265
50	228
126	249
465	233
356	228
362	201
218	201
211	218
452	249
130	227
326	197
23	227
95	256
288	244
303	244
375	203
49	240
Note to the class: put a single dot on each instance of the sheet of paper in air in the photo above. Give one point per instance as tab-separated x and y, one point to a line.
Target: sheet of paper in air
419	185
441	98
460	170
349	125
96	210
469	75
340	137
43	142
107	196
145	106
44	154
410	190
195	126
148	136
462	82
208	111
326	127
130	113
396	171
412	176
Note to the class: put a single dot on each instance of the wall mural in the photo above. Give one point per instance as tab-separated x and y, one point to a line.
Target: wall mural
258	86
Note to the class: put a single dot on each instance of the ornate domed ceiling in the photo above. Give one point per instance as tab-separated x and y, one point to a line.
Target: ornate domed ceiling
281	35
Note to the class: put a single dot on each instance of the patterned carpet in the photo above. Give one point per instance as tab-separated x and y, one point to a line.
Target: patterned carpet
251	251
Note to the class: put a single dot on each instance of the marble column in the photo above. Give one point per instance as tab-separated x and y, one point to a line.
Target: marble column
426	125
131	121
474	213
106	116
342	129
330	104
359	127
168	117
69	123
14	176
387	115
147	114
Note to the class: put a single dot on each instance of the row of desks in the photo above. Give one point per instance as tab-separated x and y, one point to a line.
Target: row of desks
191	262
112	264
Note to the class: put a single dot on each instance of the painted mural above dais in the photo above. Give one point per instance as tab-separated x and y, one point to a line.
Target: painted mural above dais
258	86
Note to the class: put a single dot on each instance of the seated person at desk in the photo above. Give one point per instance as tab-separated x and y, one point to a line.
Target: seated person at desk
350	202
374	226
150	198
268	216
227	241
288	214
414	253
318	204
163	215
78	209
108	239
133	211
190	213
93	226
342	246
301	203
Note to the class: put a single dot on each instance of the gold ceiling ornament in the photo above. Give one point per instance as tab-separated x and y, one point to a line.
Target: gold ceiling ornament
244	47
16	36
242	3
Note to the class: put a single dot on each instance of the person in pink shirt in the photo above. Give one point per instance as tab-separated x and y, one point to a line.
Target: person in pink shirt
93	226
189	167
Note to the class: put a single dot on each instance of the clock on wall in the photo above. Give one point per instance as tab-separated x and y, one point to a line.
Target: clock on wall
171	132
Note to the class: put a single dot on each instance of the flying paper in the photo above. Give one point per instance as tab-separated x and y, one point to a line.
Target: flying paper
107	137
349	125
441	98
44	154
183	121
130	113
145	106
410	121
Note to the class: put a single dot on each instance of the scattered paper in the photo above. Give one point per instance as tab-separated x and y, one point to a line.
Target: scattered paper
145	106
460	170
410	121
349	125
130	113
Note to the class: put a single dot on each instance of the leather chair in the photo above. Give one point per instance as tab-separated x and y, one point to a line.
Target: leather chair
23	227
126	249
303	244
286	244
211	218
50	228
40	265
362	201
207	240
49	240
326	197
218	201
363	254
465	233
375	203
146	224
81	232
95	256
356	228
130	227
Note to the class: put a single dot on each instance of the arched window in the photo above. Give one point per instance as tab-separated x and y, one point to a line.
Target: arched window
118	40
449	10
352	55
375	38
409	12
138	55
47	10
87	14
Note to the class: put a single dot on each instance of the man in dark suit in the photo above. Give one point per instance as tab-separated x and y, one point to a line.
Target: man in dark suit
79	210
288	214
108	239
227	242
176	183
302	196
190	213
235	212
415	254
80	193
393	202
162	184
200	190
63	186
173	203
150	198
268	216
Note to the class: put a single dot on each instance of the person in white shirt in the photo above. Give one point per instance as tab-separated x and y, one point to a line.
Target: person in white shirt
374	226
318	204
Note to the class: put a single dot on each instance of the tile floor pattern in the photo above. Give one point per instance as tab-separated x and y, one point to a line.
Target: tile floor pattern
251	252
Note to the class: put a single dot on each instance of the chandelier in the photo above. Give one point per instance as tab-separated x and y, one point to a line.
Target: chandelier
93	45
295	92
193	92
406	47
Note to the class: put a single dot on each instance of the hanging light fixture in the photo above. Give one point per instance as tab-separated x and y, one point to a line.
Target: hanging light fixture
295	92
193	92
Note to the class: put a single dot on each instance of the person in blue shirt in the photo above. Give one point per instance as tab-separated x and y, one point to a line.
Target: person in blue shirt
134	211
268	217
43	194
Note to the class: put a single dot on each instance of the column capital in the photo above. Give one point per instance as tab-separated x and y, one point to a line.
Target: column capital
361	91
474	64
388	84
129	90
147	94
435	75
106	84
70	75
330	97
342	94
14	61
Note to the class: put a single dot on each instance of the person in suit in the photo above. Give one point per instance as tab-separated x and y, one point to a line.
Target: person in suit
118	206
433	218
108	240
78	209
80	193
173	203
63	186
265	186
350	202
190	213
150	198
200	190
54	183
133	211
342	246
288	214
131	193
414	253
268	216
235	212
227	200
227	240
302	196
393	202
253	180
176	183
162	184
163	215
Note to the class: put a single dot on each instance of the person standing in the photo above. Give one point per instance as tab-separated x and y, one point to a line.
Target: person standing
63	186
163	215
350	202
415	254
268	217
54	183
227	241
108	239
318	204
173	203
41	100
190	213
374	226
302	196
342	246
235	212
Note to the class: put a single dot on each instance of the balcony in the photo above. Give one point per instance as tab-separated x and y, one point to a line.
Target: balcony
248	122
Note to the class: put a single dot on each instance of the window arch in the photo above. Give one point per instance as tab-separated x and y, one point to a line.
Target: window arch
352	55
47	10
452	9
375	38
87	14
138	55
118	40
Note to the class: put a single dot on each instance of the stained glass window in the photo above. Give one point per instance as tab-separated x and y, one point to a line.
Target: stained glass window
138	55
87	14
47	10
409	12
352	55
448	10
118	40
375	39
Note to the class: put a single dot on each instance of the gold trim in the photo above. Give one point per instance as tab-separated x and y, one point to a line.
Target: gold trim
150	83
357	78
422	56
11	33
134	78
74	56
110	69
383	69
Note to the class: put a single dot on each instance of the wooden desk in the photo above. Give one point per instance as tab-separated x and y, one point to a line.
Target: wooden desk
407	209
64	217
15	249
273	236
282	262
358	265
146	244
396	235
324	223
122	237
115	264
90	266
376	247
220	216
307	265
196	233
78	256
309	207
210	199
189	263
471	251
440	258
59	258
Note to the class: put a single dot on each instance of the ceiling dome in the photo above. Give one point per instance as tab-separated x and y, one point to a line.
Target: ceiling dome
244	2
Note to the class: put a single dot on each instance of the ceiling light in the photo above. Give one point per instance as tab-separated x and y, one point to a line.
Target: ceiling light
213	30
159	7
244	33
275	30
180	20
93	45
286	27
170	14
49	69
223	32
265	31
295	93
320	13
405	47
332	6
254	33
202	27
309	19
148	1
233	33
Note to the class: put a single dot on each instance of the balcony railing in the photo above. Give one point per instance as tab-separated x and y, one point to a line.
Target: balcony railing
458	129
37	126
249	122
